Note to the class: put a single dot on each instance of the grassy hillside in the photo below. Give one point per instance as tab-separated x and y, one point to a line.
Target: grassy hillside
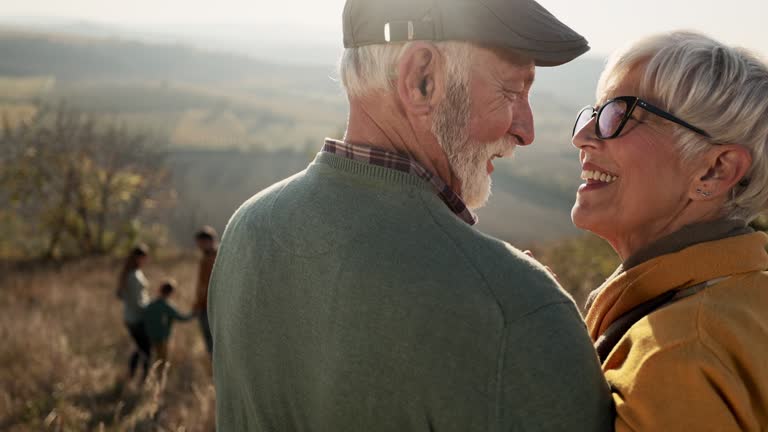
62	332
65	354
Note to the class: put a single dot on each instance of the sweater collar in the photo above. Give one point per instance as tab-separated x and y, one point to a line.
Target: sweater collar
398	162
694	264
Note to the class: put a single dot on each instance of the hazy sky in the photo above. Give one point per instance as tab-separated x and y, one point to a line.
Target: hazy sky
607	24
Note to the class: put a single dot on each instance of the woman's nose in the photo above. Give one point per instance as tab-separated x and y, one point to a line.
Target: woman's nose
585	136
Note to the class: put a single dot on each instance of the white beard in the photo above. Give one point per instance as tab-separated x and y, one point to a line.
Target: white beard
470	167
468	159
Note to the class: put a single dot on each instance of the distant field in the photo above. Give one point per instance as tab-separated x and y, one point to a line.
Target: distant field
212	100
227	116
236	125
532	197
189	115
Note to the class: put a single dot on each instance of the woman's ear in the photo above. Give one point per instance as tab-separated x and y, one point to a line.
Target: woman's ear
723	167
420	78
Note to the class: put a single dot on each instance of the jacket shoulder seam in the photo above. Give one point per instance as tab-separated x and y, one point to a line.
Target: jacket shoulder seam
702	340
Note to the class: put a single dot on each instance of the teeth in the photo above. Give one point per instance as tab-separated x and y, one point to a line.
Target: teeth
599	176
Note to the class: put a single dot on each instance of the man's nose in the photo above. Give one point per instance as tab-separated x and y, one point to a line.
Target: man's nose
522	125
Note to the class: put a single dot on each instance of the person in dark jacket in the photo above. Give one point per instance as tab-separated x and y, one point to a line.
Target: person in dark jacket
158	321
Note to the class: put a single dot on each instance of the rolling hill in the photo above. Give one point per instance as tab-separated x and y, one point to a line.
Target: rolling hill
217	109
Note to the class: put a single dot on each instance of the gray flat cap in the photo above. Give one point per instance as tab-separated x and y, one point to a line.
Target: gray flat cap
522	25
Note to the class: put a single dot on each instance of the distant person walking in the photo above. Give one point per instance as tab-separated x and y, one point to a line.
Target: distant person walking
158	321
132	290
206	240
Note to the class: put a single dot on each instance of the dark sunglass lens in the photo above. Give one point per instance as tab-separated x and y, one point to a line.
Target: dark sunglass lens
610	117
582	119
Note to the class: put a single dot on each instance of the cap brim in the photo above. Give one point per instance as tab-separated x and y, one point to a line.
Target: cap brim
552	58
521	25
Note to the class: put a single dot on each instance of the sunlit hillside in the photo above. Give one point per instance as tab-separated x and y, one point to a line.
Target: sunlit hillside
62	332
65	355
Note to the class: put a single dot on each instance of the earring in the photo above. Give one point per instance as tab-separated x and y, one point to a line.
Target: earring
703	192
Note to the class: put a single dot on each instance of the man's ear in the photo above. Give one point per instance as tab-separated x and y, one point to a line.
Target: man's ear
723	167
420	78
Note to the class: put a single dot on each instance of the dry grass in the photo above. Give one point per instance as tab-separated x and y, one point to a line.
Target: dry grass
64	354
64	350
15	112
25	88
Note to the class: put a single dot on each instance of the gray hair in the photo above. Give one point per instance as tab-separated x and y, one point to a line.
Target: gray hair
373	68
721	89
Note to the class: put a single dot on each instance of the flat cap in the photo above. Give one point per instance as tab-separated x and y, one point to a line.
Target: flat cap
521	25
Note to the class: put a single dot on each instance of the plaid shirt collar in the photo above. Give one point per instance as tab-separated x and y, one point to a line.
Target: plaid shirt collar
402	163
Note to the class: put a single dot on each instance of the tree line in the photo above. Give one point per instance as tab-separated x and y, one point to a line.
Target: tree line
74	184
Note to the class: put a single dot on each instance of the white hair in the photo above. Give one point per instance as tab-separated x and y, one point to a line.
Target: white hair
372	68
720	89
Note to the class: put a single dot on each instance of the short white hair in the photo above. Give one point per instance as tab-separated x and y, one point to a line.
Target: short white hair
720	89
373	68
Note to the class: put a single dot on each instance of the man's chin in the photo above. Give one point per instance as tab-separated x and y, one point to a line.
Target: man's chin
476	197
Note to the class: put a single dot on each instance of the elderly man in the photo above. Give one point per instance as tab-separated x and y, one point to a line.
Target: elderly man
357	296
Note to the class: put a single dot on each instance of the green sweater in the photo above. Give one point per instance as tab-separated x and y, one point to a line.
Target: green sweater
349	298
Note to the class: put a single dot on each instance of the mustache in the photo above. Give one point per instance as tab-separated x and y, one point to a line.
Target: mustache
502	147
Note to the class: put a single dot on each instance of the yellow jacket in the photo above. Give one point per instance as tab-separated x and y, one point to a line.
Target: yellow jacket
700	364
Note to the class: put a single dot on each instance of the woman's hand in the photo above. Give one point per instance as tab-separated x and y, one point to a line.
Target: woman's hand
554	275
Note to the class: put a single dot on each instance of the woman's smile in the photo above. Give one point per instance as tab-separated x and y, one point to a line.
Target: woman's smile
596	177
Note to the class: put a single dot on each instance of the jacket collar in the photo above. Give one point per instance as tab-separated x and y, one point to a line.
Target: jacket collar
701	262
688	236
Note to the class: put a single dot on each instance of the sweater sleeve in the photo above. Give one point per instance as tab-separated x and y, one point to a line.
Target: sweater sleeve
664	389
173	312
551	373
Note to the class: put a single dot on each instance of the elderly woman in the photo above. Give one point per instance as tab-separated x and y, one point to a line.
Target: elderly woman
675	158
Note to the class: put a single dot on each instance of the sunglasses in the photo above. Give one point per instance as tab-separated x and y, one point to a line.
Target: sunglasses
614	114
